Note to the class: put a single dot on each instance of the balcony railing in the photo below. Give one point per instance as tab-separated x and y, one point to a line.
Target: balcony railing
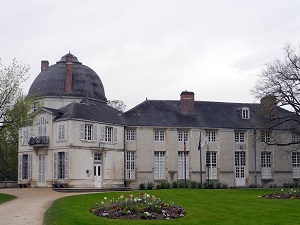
39	141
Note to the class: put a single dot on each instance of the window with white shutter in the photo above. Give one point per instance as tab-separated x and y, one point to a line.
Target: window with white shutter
159	165
115	130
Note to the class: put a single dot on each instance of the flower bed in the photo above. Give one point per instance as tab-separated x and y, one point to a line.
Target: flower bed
142	206
284	194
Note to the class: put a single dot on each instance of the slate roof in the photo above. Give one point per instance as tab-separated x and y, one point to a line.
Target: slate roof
166	113
91	111
51	81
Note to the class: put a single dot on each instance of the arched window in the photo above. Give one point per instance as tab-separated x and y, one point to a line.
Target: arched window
41	125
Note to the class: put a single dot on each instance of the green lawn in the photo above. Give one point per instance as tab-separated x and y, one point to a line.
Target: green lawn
203	206
5	198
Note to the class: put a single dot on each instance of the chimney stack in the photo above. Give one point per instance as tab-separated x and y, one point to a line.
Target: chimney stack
187	102
68	81
44	64
269	106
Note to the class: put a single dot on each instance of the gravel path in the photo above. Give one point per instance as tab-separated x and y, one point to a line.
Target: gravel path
29	207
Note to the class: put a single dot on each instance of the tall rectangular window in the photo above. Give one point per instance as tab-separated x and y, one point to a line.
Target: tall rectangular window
296	164
42	125
61	165
183	165
108	134
159	165
159	135
25	167
61	132
130	165
211	136
211	165
265	136
239	136
130	135
183	135
266	171
88	132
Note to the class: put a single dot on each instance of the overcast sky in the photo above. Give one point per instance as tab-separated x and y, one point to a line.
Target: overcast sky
154	48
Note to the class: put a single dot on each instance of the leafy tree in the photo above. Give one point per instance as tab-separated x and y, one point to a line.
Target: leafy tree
117	104
280	82
11	78
13	115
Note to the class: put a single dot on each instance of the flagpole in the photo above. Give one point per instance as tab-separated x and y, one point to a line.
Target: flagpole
200	153
184	153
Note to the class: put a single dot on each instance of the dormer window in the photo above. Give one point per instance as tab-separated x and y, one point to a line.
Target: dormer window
245	113
41	125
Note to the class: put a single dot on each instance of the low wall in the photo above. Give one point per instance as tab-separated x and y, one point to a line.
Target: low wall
8	184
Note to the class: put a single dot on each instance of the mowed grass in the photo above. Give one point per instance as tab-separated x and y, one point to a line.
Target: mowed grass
5	198
226	207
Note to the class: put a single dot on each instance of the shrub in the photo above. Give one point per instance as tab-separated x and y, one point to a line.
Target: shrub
217	185
142	186
224	186
168	185
163	185
150	185
193	184
181	184
174	184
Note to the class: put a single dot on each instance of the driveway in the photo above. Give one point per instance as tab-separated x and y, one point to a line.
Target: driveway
29	207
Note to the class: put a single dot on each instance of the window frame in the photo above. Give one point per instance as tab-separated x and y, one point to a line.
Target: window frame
265	136
61	132
266	165
180	165
130	165
42	125
183	135
159	135
245	113
211	164
239	137
159	165
212	135
296	164
130	135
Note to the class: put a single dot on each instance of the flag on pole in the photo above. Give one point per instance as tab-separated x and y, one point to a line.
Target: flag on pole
205	142
199	144
184	145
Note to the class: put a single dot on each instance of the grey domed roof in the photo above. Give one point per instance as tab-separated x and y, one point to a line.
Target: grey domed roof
51	81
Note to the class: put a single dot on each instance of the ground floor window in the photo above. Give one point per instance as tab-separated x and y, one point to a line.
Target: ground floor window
183	165
296	164
266	171
130	165
25	167
61	166
211	165
159	165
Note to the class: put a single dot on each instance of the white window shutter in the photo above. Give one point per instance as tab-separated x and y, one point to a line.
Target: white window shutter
66	165
55	165
95	132
102	133
20	167
115	137
58	131
81	131
29	167
64	131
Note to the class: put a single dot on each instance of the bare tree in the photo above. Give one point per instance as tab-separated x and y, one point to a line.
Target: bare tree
117	104
281	80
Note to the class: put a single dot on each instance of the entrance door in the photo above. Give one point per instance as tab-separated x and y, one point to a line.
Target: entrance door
41	172
240	163
97	175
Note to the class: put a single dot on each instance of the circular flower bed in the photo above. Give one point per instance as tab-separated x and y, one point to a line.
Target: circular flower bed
142	206
284	194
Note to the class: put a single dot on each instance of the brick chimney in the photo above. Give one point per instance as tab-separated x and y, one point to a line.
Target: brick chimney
269	106
187	102
68	81
44	64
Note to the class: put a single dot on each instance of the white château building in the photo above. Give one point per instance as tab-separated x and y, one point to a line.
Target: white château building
75	139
